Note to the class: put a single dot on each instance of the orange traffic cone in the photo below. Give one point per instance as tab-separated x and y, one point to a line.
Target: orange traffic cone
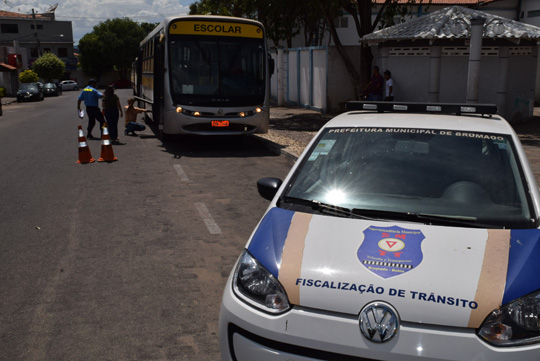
84	151
107	154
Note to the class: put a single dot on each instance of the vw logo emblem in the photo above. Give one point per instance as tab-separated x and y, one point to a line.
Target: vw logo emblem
379	321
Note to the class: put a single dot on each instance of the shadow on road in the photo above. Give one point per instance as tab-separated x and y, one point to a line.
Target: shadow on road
219	146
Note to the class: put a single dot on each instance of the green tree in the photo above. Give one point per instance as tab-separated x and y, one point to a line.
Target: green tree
94	61
112	45
28	76
49	67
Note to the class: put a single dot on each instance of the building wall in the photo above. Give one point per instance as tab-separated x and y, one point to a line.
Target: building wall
410	67
52	35
530	12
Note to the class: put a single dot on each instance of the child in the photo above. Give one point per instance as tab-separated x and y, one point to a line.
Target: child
131	117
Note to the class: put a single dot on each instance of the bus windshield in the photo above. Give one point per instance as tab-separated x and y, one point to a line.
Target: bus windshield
217	71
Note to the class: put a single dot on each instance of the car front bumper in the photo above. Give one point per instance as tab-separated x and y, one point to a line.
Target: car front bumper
247	334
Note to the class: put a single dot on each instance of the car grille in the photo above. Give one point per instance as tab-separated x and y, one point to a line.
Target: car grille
288	348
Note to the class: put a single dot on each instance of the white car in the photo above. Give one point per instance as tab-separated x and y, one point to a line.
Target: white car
69	85
404	232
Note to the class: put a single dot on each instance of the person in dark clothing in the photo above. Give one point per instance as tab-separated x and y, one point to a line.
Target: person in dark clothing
113	111
375	87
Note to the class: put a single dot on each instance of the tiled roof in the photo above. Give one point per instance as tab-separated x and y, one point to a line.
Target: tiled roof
453	23
8	14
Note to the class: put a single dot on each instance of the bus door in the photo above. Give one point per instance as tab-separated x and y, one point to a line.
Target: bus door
159	59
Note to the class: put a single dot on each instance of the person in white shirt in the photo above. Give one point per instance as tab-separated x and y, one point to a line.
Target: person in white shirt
389	88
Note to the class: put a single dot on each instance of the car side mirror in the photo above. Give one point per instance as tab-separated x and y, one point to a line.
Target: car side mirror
268	187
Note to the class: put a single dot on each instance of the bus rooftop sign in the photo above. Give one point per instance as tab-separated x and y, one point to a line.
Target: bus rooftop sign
214	28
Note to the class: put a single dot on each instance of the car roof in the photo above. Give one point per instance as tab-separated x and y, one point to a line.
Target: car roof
471	122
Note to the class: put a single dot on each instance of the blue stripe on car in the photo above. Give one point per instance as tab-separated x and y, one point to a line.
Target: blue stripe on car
523	275
268	241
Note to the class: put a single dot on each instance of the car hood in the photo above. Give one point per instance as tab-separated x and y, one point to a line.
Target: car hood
430	274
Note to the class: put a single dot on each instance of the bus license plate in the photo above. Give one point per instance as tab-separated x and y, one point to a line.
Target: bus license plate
220	123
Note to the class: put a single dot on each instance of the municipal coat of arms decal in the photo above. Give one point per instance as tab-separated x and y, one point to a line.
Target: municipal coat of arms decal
391	251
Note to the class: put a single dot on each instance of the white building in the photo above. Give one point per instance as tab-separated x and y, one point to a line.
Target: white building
430	58
314	77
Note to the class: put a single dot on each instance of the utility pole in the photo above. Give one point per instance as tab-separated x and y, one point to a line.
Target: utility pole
36	34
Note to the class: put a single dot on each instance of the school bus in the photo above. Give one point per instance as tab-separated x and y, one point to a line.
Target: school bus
205	75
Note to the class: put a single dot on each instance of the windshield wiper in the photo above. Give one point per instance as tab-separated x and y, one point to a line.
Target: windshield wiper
324	207
430	219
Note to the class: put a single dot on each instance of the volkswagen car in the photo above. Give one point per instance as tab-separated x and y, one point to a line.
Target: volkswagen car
404	231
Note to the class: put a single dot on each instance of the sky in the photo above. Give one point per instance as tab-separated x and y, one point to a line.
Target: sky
85	14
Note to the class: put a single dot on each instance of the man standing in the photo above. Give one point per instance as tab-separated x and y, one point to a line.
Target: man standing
375	86
90	95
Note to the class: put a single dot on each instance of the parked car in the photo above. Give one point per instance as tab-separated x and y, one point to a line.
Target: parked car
50	89
29	91
69	85
405	231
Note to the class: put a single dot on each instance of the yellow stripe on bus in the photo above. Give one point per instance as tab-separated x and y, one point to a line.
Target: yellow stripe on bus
216	28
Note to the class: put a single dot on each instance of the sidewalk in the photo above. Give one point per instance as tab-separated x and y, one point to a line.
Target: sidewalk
8	100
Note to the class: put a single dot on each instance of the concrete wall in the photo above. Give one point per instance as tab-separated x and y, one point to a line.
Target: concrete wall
303	73
506	80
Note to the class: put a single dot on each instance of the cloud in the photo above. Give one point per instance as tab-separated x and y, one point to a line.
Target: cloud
85	14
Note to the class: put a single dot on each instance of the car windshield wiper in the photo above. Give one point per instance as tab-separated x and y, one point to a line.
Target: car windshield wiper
431	219
324	207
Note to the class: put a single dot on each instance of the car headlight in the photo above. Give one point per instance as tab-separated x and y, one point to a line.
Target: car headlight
516	323
258	287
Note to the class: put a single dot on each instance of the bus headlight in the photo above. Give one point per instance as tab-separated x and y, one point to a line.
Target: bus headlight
197	114
242	114
258	110
179	109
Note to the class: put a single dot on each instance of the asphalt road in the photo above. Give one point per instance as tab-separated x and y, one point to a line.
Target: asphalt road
124	260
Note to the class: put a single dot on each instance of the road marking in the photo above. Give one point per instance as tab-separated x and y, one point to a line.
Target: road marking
183	176
212	226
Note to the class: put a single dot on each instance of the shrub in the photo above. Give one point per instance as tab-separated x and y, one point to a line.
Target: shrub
28	76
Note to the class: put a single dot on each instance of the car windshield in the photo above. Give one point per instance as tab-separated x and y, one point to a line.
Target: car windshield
29	87
414	174
49	86
211	71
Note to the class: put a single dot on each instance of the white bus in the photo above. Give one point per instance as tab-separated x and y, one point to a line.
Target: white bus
205	75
